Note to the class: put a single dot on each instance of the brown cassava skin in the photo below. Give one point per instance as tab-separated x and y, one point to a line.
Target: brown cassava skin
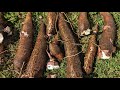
38	59
51	22
91	52
55	50
56	39
73	63
106	41
25	43
83	23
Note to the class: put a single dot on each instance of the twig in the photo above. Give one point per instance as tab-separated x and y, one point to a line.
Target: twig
96	45
73	55
78	44
20	73
69	22
48	54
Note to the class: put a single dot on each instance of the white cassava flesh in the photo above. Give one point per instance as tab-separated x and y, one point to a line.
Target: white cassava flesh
24	33
1	38
104	56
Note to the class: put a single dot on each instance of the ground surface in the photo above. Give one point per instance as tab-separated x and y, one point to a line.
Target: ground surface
102	69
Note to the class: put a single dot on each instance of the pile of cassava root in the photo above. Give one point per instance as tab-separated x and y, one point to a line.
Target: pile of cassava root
56	41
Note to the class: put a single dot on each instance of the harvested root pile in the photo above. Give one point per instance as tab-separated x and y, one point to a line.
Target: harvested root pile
38	59
53	47
25	43
106	42
46	58
73	63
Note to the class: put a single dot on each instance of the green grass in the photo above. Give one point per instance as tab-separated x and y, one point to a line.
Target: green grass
103	68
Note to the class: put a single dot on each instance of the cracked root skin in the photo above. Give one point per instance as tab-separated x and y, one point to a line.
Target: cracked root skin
38	59
106	42
25	43
73	63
